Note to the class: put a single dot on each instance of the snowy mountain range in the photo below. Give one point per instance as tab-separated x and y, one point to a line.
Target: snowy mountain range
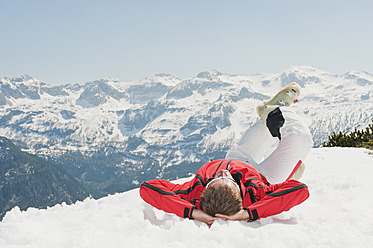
112	135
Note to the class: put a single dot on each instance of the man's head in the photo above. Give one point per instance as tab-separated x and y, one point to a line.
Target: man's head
221	196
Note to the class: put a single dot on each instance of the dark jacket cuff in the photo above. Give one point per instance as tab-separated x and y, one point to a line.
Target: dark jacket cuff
188	212
253	214
191	213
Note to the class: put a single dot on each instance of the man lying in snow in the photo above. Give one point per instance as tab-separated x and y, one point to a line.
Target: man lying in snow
257	179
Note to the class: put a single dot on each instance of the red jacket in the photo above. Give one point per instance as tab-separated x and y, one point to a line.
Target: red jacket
260	198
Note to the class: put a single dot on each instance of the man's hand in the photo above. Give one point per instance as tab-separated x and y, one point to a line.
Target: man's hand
241	215
203	217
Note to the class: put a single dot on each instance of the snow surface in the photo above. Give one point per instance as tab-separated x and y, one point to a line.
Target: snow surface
337	214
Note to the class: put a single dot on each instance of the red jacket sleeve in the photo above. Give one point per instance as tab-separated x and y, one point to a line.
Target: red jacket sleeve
278	198
161	194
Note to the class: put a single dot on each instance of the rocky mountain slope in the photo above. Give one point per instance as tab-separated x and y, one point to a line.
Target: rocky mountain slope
29	181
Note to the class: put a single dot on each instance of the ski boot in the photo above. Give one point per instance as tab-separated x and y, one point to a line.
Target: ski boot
285	97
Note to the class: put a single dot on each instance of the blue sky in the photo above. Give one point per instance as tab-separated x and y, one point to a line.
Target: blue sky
74	41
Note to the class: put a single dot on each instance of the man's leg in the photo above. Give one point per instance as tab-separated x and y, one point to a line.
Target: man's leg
255	145
295	143
275	144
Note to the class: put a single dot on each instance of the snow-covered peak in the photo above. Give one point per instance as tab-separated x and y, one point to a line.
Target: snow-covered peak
303	75
163	78
102	81
361	77
360	74
213	74
26	80
4	78
22	80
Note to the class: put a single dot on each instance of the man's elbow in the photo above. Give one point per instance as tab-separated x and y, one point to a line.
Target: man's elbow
303	194
143	190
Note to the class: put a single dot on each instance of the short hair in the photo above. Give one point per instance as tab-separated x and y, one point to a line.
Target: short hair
219	198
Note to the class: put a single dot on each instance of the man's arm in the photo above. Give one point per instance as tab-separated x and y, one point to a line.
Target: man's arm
278	198
161	194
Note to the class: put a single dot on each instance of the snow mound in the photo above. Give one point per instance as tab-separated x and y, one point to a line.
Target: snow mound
337	214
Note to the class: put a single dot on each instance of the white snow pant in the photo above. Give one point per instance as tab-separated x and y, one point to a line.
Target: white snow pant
275	159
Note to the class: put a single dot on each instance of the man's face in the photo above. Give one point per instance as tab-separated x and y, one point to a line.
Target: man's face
225	178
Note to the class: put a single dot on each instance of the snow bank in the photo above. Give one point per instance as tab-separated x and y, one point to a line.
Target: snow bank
337	214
